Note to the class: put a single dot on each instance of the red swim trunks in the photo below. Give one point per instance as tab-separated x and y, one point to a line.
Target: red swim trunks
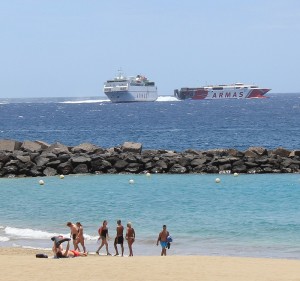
76	254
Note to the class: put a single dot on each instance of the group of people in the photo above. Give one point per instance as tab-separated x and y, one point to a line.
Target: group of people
76	234
119	239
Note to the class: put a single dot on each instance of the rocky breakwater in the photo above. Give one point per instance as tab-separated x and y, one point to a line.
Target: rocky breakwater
36	158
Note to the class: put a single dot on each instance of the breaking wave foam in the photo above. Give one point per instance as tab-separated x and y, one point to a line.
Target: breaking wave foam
28	233
85	101
35	234
167	98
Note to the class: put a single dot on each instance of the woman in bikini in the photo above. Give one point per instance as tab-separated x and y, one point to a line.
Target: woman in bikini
80	238
103	234
130	237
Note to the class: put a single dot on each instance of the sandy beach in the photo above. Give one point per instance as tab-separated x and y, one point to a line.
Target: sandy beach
22	264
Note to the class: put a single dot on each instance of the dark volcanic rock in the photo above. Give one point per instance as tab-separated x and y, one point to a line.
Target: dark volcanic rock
65	168
50	172
120	165
41	161
80	159
38	159
281	152
81	169
177	169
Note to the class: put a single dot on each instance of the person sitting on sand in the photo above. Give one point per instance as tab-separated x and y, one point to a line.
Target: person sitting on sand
80	237
130	237
162	238
59	252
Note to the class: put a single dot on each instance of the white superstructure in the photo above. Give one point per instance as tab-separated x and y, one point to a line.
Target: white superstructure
130	89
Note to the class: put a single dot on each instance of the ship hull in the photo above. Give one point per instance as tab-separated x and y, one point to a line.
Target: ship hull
202	93
134	95
130	89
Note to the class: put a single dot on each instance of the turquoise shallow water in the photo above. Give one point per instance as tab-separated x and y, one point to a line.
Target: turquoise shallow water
248	215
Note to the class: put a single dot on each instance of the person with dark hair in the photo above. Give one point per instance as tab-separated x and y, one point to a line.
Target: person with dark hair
73	234
80	237
162	238
59	252
103	234
119	238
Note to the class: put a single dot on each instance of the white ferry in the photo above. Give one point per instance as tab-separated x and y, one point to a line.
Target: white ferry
233	91
130	89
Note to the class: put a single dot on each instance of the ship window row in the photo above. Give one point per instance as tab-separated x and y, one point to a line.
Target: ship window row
142	84
116	80
118	84
142	95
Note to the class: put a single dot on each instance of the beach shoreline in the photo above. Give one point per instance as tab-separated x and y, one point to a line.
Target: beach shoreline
19	263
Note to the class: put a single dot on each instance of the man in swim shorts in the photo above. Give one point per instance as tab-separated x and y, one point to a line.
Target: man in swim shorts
119	238
162	238
74	233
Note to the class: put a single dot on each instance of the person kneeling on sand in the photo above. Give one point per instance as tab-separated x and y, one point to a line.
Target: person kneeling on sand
59	252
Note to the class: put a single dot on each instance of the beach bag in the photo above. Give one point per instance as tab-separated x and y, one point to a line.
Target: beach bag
169	239
41	256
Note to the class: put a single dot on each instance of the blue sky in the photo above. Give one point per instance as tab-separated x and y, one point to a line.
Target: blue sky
68	48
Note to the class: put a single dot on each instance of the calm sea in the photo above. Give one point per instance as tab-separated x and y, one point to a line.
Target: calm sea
248	215
166	124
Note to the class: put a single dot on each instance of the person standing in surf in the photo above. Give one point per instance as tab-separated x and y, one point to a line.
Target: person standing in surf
80	237
103	235
162	238
74	233
130	237
119	238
